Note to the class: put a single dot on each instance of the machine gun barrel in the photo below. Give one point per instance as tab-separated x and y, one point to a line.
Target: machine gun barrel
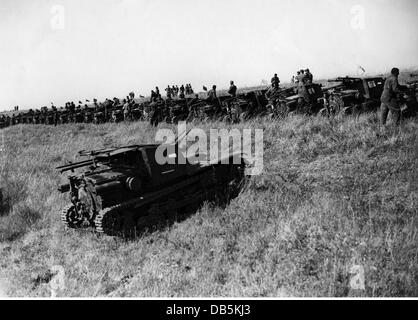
75	165
342	79
85	153
96	153
326	89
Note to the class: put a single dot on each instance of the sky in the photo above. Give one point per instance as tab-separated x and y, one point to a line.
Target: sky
71	50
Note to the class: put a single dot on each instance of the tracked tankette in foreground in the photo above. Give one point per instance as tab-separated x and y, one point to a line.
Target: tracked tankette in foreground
123	191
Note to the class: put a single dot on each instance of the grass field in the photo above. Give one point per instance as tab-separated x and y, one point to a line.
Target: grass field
334	193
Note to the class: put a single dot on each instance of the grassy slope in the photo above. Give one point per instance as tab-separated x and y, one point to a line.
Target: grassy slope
334	193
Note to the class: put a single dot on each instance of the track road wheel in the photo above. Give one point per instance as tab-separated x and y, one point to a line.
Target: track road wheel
71	218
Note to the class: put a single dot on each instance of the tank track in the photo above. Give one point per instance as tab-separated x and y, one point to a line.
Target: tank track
106	215
64	213
128	218
100	220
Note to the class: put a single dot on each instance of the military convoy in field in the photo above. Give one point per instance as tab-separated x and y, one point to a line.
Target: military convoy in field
343	95
124	190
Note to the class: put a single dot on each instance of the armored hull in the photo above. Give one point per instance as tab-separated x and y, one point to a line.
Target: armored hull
126	191
355	95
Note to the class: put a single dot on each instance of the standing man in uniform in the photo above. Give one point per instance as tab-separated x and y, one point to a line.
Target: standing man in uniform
390	98
212	94
308	76
301	76
126	110
275	81
153	96
169	93
232	89
95	104
182	96
297	78
157	93
132	95
303	99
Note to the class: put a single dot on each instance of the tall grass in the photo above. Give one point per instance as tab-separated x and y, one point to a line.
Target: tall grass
334	193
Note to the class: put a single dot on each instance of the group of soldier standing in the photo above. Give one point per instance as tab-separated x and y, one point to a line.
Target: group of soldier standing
301	84
302	77
175	91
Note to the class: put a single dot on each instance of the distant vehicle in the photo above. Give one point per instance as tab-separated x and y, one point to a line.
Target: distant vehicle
289	103
354	95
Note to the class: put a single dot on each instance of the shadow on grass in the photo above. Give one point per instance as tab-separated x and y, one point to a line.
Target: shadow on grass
17	222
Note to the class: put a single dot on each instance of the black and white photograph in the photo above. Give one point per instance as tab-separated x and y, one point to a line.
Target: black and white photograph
208	150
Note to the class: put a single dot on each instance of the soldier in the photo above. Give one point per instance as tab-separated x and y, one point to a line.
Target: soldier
301	76
181	96
107	106
96	106
169	92
390	97
275	81
232	89
212	94
303	93
153	96
116	102
308	76
126	110
131	95
297	78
